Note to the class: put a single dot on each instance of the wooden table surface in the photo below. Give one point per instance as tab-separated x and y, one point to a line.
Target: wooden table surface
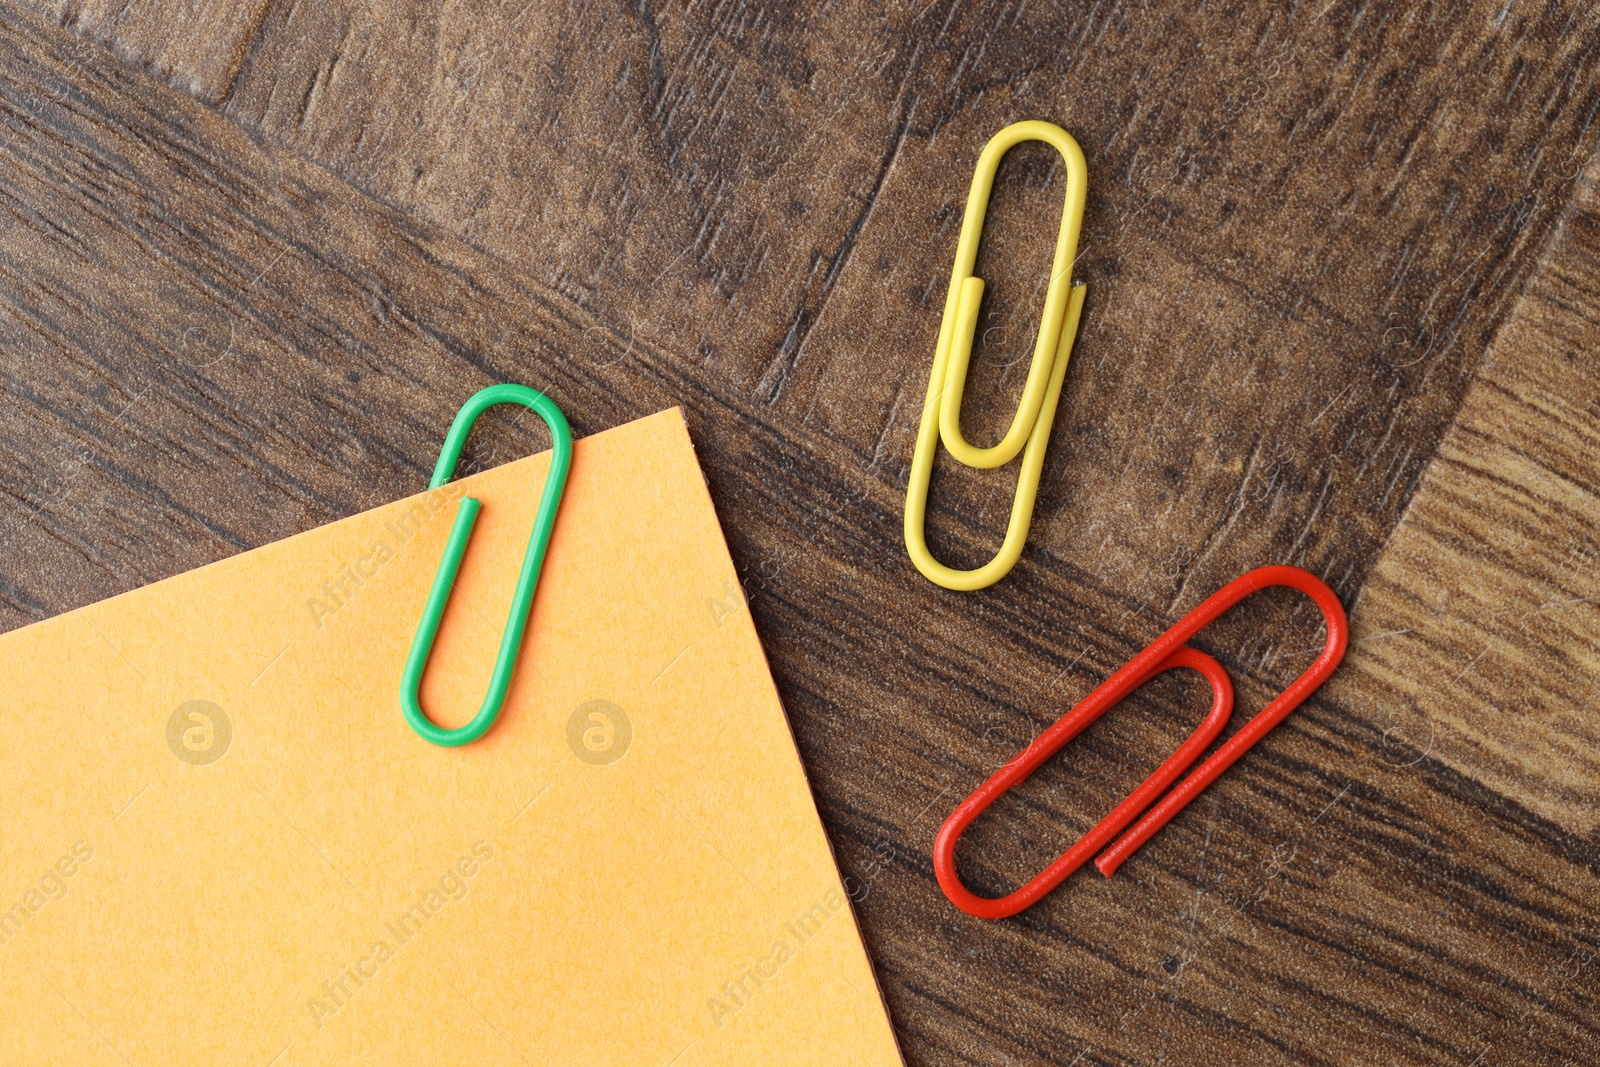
1342	313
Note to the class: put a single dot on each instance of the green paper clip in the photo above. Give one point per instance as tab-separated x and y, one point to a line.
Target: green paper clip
443	581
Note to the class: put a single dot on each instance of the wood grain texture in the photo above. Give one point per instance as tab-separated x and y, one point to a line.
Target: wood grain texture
196	45
218	331
1483	607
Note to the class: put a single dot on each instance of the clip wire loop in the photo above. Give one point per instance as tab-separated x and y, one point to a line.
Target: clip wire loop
1164	653
444	579
1036	411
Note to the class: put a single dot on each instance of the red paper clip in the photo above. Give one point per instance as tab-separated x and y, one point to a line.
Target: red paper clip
1164	653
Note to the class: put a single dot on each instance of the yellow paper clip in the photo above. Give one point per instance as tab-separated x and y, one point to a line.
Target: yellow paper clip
941	413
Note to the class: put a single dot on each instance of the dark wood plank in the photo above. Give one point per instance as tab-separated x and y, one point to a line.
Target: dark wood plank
210	343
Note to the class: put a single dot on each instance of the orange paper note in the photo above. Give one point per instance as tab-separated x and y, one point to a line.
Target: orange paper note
220	843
